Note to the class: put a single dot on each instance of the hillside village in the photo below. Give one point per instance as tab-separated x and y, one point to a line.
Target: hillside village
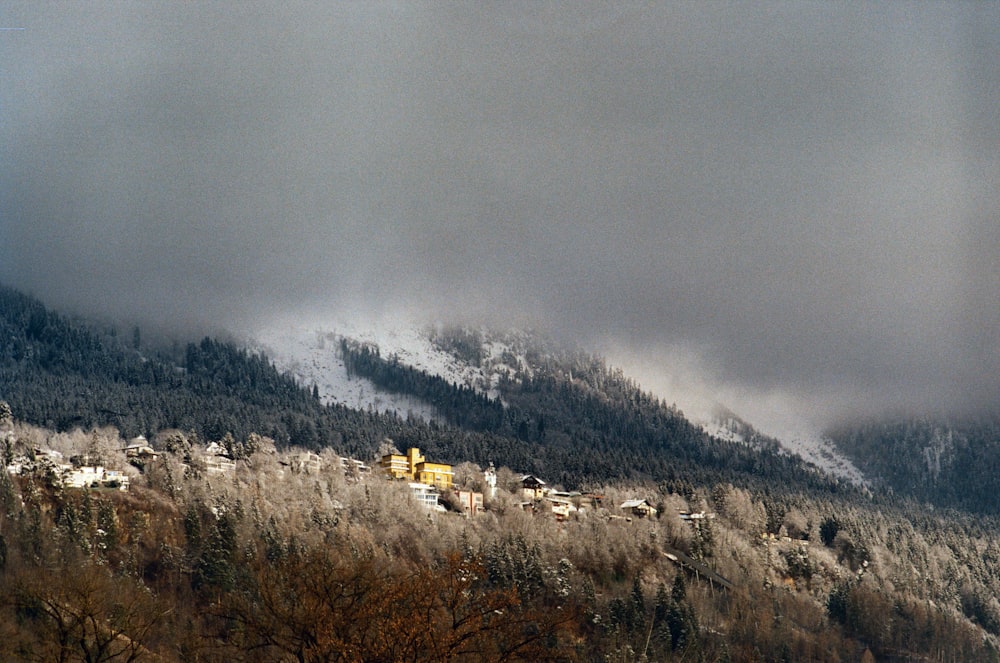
431	485
606	574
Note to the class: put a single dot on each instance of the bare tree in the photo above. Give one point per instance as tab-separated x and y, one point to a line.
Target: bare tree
85	614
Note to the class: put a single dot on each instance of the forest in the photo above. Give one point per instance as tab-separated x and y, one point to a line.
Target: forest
269	564
272	564
949	462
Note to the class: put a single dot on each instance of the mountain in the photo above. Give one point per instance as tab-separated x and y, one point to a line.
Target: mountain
751	553
64	374
562	414
815	448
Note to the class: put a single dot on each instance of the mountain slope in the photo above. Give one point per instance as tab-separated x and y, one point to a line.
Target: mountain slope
480	360
572	401
813	447
62	374
568	417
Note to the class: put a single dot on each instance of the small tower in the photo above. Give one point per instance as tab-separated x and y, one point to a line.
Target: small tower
490	476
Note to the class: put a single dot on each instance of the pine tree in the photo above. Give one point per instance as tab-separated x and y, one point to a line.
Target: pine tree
638	606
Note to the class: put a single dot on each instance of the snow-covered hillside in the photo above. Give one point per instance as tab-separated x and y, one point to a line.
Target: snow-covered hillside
810	446
310	354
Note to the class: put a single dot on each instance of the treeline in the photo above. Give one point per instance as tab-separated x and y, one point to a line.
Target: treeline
95	577
460	405
61	374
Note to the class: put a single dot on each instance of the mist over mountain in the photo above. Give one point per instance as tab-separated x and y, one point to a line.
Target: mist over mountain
797	204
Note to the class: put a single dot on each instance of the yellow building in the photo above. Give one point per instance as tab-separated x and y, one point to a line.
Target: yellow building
413	467
433	474
396	466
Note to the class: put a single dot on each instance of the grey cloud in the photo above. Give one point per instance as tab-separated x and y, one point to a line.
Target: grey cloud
804	192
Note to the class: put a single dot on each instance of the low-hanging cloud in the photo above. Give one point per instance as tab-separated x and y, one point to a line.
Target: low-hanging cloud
805	194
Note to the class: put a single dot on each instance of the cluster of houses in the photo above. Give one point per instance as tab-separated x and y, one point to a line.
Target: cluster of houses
431	484
215	460
427	482
536	495
68	475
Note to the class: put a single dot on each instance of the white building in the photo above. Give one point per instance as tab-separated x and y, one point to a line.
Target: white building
490	477
353	468
306	462
219	465
93	476
426	496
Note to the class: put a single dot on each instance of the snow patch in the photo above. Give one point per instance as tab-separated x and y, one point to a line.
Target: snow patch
311	355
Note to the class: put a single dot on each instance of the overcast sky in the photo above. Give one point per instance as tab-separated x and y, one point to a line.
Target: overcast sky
798	199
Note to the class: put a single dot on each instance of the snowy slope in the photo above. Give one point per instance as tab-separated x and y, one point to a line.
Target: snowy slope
822	452
809	445
310	354
311	357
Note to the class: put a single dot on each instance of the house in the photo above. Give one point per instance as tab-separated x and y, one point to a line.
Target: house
414	467
694	518
532	487
397	466
472	502
580	500
434	474
82	477
138	448
426	496
305	463
219	464
353	468
562	507
217	460
116	479
216	449
48	457
19	465
94	476
638	508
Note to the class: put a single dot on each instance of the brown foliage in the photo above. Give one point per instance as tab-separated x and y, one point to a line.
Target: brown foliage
335	604
83	614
